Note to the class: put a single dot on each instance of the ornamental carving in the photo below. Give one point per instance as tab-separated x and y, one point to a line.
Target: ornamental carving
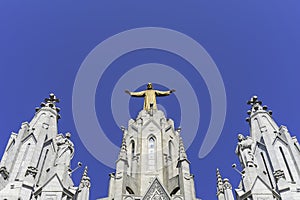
4	172
31	171
156	192
278	174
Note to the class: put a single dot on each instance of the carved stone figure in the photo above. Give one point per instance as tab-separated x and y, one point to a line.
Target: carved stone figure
245	151
65	150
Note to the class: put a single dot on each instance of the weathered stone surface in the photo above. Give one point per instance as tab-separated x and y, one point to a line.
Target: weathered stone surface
36	161
270	159
152	163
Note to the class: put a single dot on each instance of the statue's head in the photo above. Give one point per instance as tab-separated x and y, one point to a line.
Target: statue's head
240	137
68	135
149	86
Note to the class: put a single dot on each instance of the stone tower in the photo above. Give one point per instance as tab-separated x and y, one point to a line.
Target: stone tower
36	161
152	162
224	188
269	157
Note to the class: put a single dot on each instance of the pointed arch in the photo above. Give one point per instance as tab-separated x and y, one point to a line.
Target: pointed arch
171	158
171	149
132	145
151	153
132	153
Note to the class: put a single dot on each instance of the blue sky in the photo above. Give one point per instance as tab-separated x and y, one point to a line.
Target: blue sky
255	45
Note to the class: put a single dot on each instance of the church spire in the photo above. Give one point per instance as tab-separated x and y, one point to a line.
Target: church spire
37	157
269	156
260	119
152	162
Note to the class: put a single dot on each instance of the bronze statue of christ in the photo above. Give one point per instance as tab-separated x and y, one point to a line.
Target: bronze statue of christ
150	96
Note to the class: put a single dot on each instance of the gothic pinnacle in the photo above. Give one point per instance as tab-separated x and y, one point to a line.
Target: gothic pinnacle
124	147
123	152
85	174
50	102
256	106
219	177
85	180
220	188
85	171
182	153
227	184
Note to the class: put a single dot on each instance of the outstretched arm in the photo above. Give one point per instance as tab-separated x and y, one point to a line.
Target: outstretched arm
135	94
164	93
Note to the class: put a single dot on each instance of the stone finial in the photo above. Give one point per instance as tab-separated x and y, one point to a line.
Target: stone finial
124	146
227	185
182	153
85	180
256	105
220	188
123	129
50	103
123	152
222	184
85	174
52	99
219	177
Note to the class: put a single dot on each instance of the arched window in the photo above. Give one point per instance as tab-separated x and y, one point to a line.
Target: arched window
170	149
132	148
171	158
131	158
151	154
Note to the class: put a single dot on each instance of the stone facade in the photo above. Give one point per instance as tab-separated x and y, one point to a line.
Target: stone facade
270	160
152	163
36	161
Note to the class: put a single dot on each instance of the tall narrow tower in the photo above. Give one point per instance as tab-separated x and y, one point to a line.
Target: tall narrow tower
270	158
36	161
152	162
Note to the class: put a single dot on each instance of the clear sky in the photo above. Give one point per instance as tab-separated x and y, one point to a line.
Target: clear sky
255	45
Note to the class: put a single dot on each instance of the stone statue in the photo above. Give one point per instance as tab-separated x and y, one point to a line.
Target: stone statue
150	96
245	151
65	150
